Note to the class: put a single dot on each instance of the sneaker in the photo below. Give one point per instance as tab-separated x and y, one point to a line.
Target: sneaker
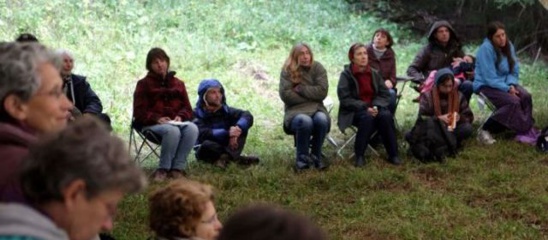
159	175
485	137
176	174
248	160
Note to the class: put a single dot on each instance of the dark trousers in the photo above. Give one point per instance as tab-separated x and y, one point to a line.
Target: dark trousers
462	132
466	87
383	123
514	113
210	151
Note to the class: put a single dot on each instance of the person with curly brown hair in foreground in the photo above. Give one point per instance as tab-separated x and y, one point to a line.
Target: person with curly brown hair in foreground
183	209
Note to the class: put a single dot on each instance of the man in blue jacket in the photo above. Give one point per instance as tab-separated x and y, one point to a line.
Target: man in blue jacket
79	91
222	129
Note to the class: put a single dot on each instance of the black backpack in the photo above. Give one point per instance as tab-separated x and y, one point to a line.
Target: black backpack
431	141
542	141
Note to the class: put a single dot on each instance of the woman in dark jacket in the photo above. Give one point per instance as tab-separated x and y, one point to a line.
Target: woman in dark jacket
449	105
383	59
364	101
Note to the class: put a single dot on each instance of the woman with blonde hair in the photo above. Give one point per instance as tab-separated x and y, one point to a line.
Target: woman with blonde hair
303	87
184	209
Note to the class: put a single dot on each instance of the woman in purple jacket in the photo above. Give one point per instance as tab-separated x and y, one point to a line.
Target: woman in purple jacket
383	59
33	104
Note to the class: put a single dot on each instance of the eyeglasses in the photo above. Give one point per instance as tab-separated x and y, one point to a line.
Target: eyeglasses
210	220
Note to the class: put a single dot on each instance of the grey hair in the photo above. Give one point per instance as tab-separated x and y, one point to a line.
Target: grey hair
85	150
19	64
60	52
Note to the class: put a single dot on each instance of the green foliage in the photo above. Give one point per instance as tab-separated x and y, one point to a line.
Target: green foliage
488	192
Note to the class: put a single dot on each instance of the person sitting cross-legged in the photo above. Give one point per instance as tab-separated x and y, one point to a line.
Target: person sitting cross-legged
447	104
223	129
161	105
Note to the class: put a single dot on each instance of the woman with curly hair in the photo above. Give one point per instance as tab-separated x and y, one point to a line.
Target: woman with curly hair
184	210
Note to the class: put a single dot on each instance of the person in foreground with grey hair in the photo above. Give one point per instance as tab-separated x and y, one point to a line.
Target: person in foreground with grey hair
73	180
79	91
32	104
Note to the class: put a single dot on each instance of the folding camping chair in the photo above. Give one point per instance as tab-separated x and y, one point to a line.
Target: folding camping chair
484	102
144	142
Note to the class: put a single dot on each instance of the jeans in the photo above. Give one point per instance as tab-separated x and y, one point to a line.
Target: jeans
177	142
367	125
305	128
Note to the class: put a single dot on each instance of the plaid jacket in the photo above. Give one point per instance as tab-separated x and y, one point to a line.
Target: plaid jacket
155	97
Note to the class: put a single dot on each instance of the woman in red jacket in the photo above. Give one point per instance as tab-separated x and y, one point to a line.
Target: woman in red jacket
161	105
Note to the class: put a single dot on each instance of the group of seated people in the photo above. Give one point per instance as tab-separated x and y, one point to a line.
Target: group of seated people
444	76
64	181
70	177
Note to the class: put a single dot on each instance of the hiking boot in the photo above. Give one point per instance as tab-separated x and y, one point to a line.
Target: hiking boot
159	175
360	162
176	173
395	160
485	137
318	163
248	160
222	162
303	163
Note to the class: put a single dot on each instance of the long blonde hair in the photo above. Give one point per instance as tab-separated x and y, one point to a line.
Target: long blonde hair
291	64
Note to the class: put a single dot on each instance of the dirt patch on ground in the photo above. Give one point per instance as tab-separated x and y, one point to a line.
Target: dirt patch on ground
430	177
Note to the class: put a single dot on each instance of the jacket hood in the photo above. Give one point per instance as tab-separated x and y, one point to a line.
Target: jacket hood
21	220
441	73
205	85
438	24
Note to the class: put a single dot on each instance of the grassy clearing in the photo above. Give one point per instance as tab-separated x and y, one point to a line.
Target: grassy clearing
488	192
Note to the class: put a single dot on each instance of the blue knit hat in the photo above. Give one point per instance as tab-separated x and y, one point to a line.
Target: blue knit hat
442	74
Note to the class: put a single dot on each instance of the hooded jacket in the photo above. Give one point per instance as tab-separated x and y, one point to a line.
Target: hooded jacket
215	126
349	96
309	100
426	107
15	141
434	56
155	97
22	222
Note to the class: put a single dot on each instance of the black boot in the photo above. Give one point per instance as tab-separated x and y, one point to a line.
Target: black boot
360	161
318	163
395	160
302	163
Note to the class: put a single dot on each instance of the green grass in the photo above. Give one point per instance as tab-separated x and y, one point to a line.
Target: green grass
488	192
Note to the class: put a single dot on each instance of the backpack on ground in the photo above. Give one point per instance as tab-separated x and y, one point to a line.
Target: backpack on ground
430	140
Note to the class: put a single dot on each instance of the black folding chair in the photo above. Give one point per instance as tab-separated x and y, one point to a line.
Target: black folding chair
144	142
